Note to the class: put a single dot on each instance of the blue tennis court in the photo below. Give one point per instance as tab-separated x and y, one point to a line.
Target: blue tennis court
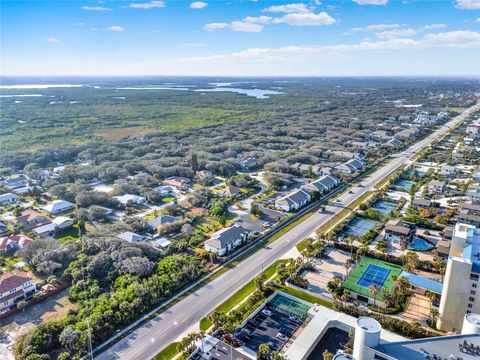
374	274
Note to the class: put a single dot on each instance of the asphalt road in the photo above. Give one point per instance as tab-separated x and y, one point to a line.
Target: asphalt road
146	341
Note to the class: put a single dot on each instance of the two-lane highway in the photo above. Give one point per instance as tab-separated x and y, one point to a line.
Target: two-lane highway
146	341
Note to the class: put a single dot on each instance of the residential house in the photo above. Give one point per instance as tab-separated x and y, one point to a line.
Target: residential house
443	248
131	237
437	187
380	135
204	175
476	175
14	242
346	155
425	119
407	134
293	200
470	213
399	231
178	182
423	203
62	222
473	129
229	191
404	118
163	190
27	189
161	220
350	166
3	228
162	243
46	230
322	185
8	198
135	199
473	192
226	240
308	168
57	207
15	181
448	171
248	163
15	287
393	143
29	219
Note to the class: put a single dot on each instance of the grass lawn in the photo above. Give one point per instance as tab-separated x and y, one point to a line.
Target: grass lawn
67	234
168	353
241	294
289	227
167	199
351	283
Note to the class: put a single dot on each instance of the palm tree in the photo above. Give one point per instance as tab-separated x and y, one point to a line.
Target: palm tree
374	290
434	314
347	267
263	352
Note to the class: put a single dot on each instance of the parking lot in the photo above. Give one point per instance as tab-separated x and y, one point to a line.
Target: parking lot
326	269
274	329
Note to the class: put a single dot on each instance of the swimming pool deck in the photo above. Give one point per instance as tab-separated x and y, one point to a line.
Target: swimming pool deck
322	319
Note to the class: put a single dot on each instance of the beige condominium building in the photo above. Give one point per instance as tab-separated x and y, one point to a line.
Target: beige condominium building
460	294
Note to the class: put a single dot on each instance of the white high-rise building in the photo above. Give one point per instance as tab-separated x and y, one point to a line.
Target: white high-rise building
461	294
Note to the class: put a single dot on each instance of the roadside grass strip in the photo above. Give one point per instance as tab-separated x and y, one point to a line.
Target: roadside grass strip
371	272
241	294
168	353
305	296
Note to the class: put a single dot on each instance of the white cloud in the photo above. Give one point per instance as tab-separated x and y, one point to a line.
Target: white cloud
78	24
288	8
306	19
452	39
435	26
258	19
377	27
242	26
51	40
477	20
116	28
216	26
397	33
198	5
468	4
245	26
371	2
148	5
96	8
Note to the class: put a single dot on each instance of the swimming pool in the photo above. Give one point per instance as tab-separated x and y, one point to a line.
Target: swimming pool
384	207
419	244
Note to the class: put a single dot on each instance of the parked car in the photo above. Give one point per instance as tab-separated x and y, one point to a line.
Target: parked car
247	331
282	337
266	312
274	345
295	319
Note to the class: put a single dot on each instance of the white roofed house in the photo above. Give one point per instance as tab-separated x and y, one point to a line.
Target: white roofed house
62	222
436	187
473	192
8	198
448	171
322	185
15	181
350	166
226	240
293	200
131	237
58	206
136	199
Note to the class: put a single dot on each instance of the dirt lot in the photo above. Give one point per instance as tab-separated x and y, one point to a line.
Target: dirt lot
16	325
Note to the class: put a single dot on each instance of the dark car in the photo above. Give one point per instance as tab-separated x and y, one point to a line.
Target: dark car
274	345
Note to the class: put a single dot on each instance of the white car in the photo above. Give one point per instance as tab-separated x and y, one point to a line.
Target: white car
282	337
267	312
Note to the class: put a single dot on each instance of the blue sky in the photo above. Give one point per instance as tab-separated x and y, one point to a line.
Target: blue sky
237	38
